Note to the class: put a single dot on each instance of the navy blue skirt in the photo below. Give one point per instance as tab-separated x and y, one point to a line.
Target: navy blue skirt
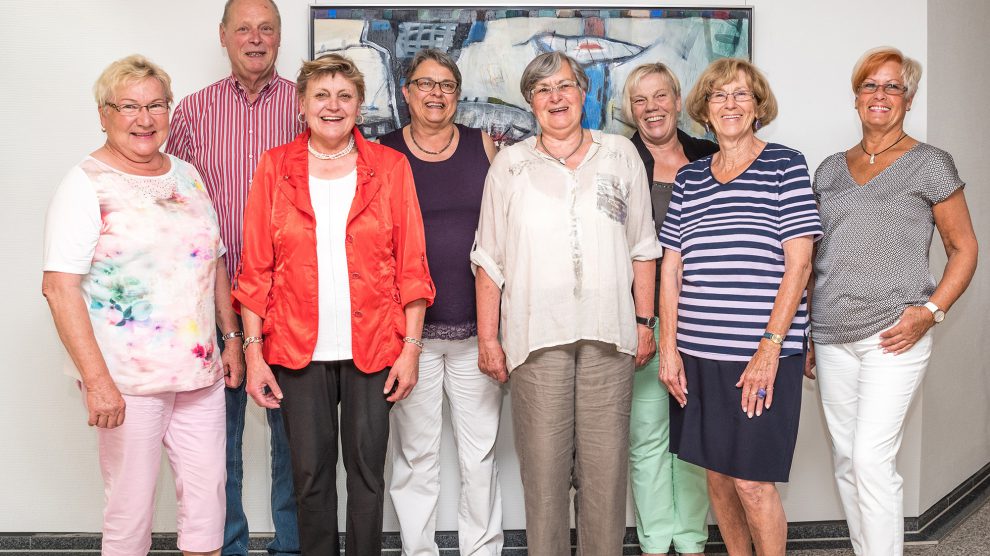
713	432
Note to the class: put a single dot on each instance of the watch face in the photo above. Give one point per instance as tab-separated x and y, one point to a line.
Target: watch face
652	322
939	316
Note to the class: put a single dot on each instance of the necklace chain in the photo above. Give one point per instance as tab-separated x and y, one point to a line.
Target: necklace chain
331	156
873	156
561	160
445	147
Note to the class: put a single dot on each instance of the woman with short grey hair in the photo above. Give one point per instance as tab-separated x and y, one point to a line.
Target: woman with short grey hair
565	267
449	163
875	300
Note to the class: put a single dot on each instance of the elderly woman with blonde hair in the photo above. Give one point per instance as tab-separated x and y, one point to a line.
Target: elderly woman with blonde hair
135	279
738	239
881	200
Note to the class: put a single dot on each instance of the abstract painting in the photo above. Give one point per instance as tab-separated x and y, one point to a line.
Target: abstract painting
493	45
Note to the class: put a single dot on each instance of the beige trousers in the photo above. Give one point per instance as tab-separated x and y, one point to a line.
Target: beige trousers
570	414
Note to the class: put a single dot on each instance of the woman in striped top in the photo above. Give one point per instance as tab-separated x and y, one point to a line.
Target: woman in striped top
738	239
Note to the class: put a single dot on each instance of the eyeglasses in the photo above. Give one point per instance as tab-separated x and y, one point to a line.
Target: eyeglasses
719	97
155	108
892	89
426	85
566	87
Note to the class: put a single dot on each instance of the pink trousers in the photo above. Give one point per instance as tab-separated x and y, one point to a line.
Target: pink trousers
191	426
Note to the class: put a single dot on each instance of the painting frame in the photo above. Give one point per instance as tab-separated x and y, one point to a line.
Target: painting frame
381	39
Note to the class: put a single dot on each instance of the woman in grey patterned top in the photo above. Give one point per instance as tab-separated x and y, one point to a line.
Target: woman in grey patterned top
875	300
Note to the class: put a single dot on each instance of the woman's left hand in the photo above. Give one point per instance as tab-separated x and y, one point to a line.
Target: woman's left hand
915	321
647	346
760	373
233	364
403	374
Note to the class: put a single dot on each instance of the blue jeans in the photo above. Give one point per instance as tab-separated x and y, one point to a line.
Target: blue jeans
235	530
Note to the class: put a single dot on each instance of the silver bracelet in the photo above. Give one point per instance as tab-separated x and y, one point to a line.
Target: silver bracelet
414	341
251	340
232	335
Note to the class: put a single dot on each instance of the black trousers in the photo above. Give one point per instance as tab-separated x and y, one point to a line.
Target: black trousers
309	406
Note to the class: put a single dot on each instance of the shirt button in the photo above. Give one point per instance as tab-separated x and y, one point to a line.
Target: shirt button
349	238
355	275
358	314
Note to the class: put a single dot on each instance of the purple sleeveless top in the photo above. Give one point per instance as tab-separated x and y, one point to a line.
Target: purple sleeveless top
450	197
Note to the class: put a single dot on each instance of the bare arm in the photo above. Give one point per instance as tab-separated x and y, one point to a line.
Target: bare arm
490	148
761	371
809	361
671	365
644	280
955	227
261	385
405	370
65	299
232	357
491	358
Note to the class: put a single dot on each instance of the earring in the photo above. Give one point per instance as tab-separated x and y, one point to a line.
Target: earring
103	129
757	125
359	120
301	118
707	129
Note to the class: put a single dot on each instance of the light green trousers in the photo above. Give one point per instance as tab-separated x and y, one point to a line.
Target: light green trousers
670	495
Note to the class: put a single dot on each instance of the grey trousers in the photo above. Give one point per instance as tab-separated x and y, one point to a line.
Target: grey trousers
570	414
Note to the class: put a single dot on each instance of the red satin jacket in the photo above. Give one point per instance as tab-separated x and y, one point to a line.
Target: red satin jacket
384	244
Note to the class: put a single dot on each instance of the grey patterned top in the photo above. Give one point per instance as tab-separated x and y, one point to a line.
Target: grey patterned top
872	262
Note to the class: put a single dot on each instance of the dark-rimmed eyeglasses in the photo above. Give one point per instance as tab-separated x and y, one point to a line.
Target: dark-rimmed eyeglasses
427	85
155	108
892	89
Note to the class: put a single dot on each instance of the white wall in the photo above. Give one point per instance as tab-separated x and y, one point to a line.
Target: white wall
52	53
956	432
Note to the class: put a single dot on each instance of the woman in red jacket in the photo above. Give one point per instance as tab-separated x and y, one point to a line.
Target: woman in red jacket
332	289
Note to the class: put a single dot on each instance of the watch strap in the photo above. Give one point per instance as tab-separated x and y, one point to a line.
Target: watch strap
775	338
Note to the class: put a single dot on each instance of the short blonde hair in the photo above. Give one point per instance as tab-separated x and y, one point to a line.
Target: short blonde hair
638	74
876	57
726	70
330	64
545	65
127	70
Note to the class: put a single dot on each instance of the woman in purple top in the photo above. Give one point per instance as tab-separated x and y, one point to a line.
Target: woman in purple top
449	163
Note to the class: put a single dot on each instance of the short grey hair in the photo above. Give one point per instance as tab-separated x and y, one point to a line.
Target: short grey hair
227	7
128	70
438	56
545	65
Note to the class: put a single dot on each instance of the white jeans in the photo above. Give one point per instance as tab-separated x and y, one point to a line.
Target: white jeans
475	407
866	394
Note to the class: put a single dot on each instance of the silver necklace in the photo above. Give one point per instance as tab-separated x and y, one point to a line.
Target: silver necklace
561	159
873	156
445	147
331	156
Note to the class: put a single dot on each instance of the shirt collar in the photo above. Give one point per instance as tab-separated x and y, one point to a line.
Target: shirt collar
236	85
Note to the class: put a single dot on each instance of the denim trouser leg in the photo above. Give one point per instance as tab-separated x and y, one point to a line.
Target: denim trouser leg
235	529
286	539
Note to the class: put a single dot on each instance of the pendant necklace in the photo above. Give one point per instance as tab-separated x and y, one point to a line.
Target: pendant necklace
445	147
561	159
331	156
873	156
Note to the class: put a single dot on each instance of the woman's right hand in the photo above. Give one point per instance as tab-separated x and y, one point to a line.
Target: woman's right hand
672	375
105	404
491	360
261	385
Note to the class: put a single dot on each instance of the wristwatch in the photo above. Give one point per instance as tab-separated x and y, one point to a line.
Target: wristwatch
936	312
650	322
775	338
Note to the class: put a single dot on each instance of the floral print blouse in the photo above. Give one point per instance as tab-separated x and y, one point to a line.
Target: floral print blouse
147	248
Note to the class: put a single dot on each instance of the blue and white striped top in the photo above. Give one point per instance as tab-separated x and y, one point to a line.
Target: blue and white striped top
730	238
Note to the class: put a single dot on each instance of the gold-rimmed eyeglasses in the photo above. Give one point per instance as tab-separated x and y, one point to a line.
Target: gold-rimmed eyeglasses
155	108
566	87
